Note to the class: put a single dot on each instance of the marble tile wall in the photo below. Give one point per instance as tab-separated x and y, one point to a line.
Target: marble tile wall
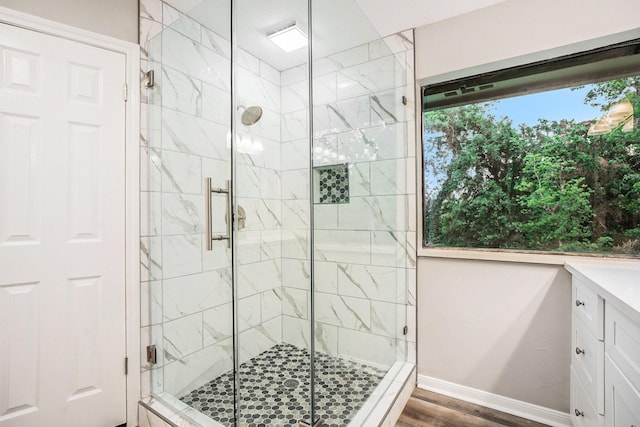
365	249
187	308
296	271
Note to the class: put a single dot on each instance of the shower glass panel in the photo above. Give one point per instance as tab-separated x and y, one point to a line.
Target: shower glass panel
278	235
361	238
273	278
189	149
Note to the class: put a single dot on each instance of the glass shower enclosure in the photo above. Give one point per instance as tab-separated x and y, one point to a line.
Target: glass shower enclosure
279	230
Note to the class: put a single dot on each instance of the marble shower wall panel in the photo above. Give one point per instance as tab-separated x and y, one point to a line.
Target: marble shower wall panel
258	184
359	119
187	291
365	249
296	277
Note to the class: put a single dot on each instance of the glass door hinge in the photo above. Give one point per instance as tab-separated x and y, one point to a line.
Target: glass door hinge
151	354
150	80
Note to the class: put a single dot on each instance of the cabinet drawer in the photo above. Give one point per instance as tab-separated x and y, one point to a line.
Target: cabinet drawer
623	400
587	359
583	413
589	307
623	344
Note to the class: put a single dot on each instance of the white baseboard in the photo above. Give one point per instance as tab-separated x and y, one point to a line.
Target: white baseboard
494	401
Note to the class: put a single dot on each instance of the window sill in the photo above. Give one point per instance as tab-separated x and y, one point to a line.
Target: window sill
517	256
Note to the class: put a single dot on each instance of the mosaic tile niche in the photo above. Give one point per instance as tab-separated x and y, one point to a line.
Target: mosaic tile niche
332	184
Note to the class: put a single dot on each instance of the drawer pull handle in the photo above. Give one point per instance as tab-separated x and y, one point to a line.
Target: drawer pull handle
579	414
579	303
579	351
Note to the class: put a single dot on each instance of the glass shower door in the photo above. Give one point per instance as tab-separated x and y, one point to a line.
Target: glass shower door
228	198
271	159
190	325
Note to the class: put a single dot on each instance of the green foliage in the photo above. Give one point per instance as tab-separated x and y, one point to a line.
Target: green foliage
481	216
555	214
550	186
607	93
605	242
554	200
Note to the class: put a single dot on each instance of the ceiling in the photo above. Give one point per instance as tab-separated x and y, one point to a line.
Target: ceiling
358	22
392	16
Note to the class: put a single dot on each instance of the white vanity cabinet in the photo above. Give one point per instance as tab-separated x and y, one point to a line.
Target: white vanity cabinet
587	356
605	345
622	368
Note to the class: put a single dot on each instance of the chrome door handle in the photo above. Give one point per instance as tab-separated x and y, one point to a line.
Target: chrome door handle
579	351
579	303
208	191
579	414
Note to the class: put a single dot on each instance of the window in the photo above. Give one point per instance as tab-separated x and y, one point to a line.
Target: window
545	157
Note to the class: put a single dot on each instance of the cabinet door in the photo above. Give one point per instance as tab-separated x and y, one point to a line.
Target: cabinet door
583	413
587	360
622	399
589	307
623	344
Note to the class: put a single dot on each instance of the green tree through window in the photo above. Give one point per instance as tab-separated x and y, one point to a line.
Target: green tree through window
556	185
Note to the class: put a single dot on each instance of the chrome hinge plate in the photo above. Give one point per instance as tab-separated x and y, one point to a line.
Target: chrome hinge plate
405	330
125	92
126	366
404	100
151	354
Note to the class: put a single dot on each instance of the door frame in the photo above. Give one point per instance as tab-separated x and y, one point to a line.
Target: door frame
131	51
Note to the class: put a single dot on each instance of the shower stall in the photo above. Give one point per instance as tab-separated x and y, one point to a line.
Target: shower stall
278	213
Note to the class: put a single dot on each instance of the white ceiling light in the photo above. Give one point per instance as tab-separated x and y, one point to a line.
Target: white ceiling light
289	39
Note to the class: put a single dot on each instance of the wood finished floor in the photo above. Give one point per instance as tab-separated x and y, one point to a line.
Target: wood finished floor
428	409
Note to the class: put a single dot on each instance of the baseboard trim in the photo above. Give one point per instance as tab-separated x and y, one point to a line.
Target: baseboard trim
518	408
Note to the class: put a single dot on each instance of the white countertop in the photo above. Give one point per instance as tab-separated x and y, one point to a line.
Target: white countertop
618	284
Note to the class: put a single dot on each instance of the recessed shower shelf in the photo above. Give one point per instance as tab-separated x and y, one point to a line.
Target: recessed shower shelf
332	184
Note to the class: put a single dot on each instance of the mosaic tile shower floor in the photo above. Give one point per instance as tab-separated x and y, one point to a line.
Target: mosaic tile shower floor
275	389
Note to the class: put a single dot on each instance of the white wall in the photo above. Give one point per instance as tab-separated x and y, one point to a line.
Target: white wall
503	327
501	35
115	18
500	327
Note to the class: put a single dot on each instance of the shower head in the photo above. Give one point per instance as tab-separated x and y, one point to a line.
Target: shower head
251	115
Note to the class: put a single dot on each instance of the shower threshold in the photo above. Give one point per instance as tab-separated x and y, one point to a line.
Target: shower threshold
275	390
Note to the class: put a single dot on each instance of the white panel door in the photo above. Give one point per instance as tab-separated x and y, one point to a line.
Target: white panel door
62	231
